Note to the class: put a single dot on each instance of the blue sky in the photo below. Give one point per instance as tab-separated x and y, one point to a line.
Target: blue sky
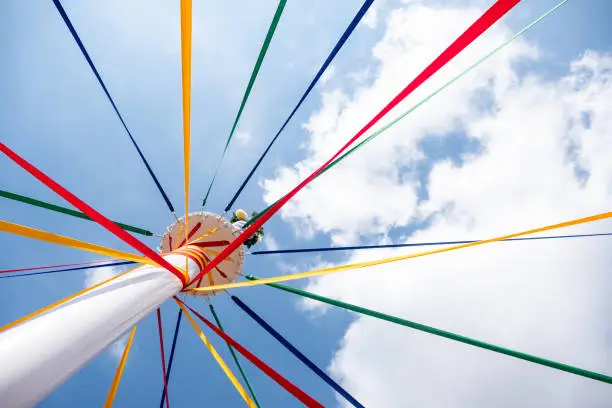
53	112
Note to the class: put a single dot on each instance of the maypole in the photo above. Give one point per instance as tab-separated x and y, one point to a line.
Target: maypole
41	352
75	332
202	254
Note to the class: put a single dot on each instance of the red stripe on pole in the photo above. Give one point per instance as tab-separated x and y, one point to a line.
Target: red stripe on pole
91	213
200	262
494	13
163	358
282	381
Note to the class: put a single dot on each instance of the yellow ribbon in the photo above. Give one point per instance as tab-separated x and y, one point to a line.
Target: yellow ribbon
186	75
211	282
215	253
180	231
115	384
207	234
324	271
70	242
60	302
201	262
208	251
218	358
184	271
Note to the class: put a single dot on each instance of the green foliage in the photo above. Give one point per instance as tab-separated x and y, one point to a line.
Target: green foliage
256	237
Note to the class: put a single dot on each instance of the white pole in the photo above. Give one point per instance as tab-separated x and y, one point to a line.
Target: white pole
40	354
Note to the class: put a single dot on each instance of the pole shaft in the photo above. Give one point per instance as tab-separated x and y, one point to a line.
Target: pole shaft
42	353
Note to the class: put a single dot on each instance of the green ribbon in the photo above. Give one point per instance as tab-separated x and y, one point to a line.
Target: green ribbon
231	349
67	211
442	333
427	98
247	92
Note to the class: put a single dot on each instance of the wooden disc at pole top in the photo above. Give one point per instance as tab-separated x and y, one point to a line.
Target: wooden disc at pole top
211	233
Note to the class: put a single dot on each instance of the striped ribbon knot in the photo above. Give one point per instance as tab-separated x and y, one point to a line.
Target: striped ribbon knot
196	254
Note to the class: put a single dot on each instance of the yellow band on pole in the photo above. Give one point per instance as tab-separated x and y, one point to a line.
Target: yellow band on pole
110	398
324	271
70	242
60	302
188	253
218	358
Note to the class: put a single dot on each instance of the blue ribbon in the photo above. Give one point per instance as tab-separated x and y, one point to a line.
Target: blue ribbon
347	33
297	353
76	37
17	275
176	330
350	248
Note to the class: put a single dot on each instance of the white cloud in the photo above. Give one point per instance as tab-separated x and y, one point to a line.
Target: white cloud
370	20
360	76
117	348
97	275
243	138
270	243
543	157
362	184
327	75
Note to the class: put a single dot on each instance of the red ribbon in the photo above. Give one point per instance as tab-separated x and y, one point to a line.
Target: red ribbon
91	213
494	13
282	381
35	268
163	358
193	231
